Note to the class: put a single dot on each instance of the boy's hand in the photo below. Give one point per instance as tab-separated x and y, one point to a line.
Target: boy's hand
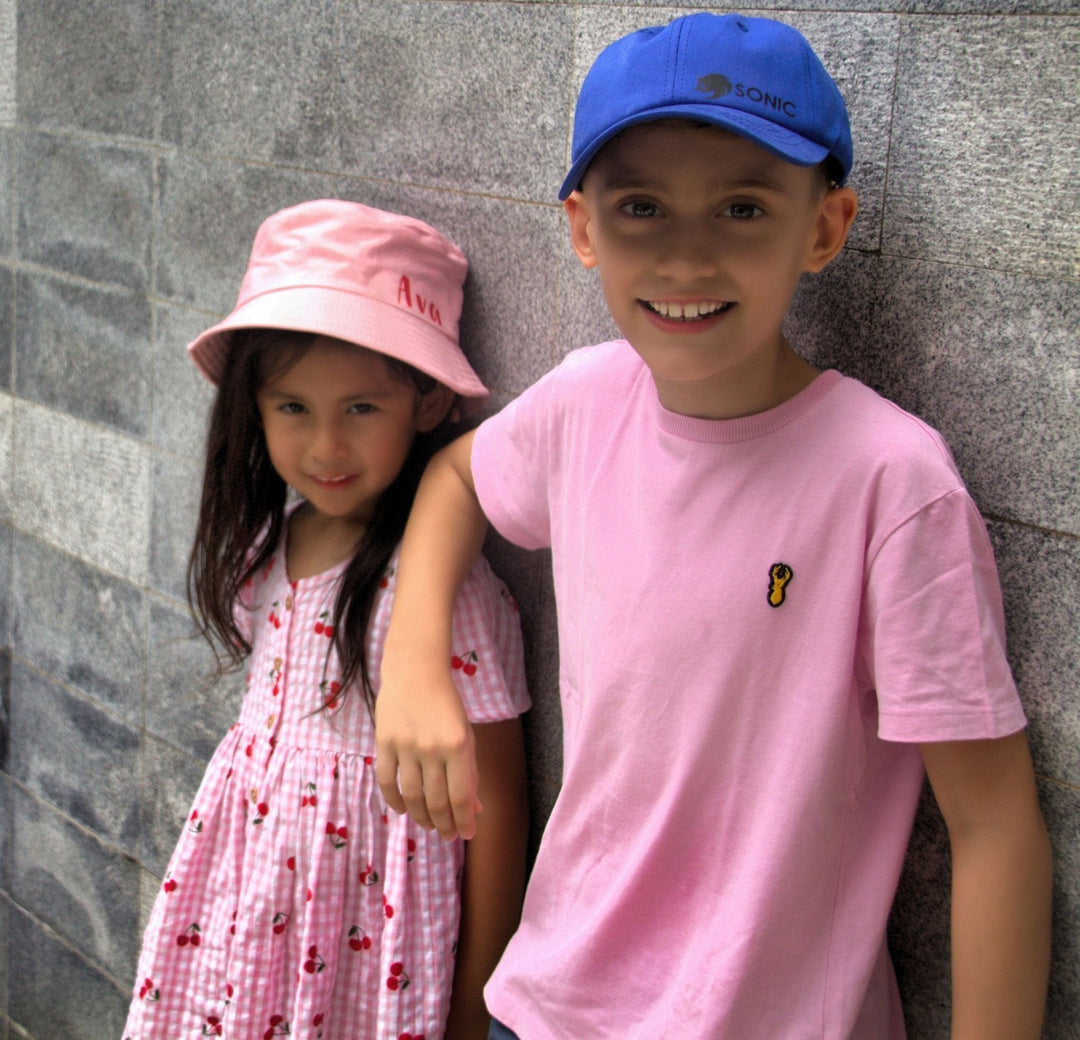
426	762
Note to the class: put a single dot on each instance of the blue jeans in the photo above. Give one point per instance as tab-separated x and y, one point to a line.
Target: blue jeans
499	1032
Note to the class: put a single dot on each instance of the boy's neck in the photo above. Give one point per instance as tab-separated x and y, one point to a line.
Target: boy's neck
744	390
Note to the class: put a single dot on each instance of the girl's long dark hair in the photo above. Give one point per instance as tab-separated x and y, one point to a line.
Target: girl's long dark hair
242	513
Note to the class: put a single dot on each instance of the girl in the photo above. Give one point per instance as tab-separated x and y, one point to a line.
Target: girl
295	905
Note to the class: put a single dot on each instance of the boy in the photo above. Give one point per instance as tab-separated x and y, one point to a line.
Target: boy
777	604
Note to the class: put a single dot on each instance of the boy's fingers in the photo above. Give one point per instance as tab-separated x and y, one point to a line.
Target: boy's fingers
463	782
386	774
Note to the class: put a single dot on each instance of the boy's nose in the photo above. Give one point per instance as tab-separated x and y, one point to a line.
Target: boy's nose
689	252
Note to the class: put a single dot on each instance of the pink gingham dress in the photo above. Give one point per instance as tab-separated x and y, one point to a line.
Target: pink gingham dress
295	904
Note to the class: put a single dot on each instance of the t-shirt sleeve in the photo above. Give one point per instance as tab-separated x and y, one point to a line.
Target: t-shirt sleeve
511	467
937	630
488	660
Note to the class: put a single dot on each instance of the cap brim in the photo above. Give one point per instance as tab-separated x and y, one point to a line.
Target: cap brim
773	138
352	317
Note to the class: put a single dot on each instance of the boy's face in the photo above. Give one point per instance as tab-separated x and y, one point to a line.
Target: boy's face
700	237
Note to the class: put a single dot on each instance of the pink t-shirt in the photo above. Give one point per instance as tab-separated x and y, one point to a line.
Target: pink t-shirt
758	620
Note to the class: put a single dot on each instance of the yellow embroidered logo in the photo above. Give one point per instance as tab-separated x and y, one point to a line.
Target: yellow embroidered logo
780	574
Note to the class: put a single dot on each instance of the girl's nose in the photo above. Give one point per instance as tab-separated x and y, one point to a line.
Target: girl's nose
328	441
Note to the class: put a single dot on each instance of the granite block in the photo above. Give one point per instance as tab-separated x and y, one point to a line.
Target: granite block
830	322
982	7
1061	805
55	992
208	213
990	359
82	889
82	489
1042	618
84	351
84	208
583	316
168	782
7	539
5	911
6	787
919	926
7	457
75	755
7	327
472	96
859	50
89	66
80	626
508	320
7	182
185	707
253	80
986	144
182	395
8	66
176	491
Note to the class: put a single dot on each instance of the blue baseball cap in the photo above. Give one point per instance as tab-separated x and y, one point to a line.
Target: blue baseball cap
756	77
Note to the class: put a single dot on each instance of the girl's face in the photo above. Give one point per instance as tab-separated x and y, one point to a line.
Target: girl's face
339	426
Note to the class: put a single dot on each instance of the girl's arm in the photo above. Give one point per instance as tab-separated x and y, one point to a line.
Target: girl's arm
494	881
425	745
1001	886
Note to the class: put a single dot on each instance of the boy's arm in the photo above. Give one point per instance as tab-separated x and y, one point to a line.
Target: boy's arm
1001	886
424	741
494	881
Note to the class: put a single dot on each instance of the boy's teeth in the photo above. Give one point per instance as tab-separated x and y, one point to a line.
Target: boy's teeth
688	311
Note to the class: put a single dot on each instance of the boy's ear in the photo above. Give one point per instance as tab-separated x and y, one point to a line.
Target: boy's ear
433	407
577	210
838	209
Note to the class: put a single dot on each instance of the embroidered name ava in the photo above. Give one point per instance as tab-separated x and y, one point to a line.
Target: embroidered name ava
425	307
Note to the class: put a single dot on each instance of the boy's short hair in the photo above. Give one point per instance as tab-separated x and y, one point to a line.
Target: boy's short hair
755	77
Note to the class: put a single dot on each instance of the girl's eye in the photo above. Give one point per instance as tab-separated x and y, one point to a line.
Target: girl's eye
743	211
639	209
361	409
292	408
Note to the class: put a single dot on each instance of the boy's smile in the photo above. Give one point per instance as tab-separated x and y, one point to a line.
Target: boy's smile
700	238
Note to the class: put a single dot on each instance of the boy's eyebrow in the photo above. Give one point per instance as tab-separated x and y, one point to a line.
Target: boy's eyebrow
626	177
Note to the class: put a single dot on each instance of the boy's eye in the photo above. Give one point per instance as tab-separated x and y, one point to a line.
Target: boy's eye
743	211
639	209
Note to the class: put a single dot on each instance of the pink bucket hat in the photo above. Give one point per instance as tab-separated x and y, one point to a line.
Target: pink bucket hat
383	281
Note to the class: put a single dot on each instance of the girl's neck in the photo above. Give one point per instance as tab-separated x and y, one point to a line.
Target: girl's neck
315	542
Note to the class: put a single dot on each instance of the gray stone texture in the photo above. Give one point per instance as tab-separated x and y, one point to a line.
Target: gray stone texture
141	144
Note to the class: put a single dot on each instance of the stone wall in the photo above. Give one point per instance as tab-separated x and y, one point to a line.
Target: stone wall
141	144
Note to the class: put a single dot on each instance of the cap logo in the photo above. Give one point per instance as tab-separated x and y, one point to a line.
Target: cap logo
425	307
716	85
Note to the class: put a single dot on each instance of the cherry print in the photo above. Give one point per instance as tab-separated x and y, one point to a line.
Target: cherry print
279	922
196	824
387	908
411	1036
465	663
290	863
261	811
338	835
272	618
412	851
358	939
279	1026
149	992
323	627
190	936
314	964
310	798
369	876
399	978
330	690
170	885
213	1026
